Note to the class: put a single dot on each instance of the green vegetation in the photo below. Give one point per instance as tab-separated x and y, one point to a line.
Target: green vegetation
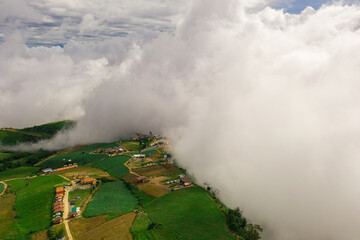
130	145
238	224
15	185
2	186
19	172
11	136
34	202
16	159
82	156
114	165
5	155
81	159
112	198
191	209
7	217
144	229
79	196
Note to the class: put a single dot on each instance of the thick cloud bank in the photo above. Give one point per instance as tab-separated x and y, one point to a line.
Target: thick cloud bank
262	104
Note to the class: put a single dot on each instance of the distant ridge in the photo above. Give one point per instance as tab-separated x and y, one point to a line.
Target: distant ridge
13	136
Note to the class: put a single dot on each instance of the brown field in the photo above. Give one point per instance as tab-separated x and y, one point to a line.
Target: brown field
157	170
40	236
92	172
153	189
7	220
130	178
97	228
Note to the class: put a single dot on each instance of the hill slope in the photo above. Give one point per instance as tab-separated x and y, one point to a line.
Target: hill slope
12	136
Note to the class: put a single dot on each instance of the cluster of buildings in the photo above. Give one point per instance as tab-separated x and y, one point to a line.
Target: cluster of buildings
182	179
50	170
75	211
113	150
58	205
87	181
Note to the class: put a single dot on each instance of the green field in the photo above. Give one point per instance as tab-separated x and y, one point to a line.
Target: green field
130	145
73	195
76	157
15	185
114	165
141	231
19	172
81	156
2	186
112	198
34	202
189	212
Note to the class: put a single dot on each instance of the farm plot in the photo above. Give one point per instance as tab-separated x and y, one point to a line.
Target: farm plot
114	165
78	196
191	209
98	228
91	172
112	198
157	170
7	217
58	161
33	203
19	172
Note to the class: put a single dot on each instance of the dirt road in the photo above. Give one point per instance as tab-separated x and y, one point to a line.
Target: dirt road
66	208
5	186
126	164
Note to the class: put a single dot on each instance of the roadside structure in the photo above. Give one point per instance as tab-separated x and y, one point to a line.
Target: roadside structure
185	180
141	179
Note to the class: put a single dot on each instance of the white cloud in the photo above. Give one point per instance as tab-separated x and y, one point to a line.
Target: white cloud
262	104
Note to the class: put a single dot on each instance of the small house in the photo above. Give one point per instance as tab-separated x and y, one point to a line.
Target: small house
72	202
141	179
58	219
47	170
72	214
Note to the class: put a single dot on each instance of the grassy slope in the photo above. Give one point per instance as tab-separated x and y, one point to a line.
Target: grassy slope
81	156
13	136
114	165
2	186
189	212
33	203
15	185
19	172
112	198
140	231
7	217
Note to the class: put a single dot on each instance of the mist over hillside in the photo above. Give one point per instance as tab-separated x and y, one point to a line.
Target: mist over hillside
260	103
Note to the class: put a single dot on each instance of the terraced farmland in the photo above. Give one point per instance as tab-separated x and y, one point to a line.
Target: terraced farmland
112	198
